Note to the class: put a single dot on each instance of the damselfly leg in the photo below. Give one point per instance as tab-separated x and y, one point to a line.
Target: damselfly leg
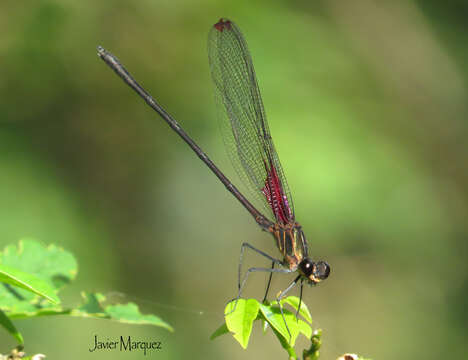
269	283
280	297
241	259
240	284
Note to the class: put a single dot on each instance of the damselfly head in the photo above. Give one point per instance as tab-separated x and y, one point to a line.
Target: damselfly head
315	272
321	270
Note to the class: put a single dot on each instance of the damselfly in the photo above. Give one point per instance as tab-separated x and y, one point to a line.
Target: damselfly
250	146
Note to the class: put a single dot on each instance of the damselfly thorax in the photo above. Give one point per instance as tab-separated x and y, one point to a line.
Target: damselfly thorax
292	244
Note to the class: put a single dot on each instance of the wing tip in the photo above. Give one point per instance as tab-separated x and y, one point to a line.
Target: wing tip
223	24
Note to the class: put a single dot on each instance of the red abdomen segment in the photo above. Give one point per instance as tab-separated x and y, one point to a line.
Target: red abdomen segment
275	196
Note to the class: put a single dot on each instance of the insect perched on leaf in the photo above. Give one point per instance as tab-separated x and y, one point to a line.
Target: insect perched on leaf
249	143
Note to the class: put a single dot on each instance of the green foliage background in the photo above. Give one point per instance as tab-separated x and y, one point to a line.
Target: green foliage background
367	104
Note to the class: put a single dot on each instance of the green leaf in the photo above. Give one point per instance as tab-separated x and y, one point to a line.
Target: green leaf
49	262
272	314
129	313
220	331
294	302
125	313
29	282
92	304
305	329
8	326
240	321
285	344
35	271
32	272
39	312
93	307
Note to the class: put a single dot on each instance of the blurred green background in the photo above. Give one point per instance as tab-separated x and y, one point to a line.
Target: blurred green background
367	104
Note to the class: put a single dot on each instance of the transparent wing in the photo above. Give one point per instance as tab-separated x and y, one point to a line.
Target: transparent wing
243	121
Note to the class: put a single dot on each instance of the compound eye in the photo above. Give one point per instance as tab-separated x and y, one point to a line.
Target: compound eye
321	270
307	267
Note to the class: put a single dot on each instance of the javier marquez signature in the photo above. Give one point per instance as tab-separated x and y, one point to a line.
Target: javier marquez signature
125	344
